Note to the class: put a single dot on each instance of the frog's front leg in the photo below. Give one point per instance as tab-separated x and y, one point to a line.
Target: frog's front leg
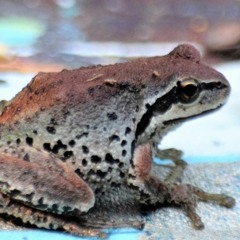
156	191
175	156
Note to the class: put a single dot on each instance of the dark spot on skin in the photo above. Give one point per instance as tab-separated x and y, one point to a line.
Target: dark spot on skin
97	190
95	159
8	142
35	132
66	210
137	108
66	113
59	145
54	208
29	141
51	129
14	193
112	116
104	129
85	149
133	146
91	172
44	219
85	134
90	91
26	157
79	173
29	196
122	175
113	184
40	201
71	143
18	141
124	153
101	174
109	159
51	226
110	169
121	165
68	154
114	138
128	130
123	143
134	120
47	147
53	121
84	162
37	92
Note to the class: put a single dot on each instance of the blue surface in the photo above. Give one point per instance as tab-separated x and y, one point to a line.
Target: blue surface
203	159
128	234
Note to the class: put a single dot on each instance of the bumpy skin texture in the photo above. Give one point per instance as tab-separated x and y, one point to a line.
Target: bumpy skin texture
73	142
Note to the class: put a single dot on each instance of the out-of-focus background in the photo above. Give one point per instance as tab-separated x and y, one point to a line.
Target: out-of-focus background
50	35
47	35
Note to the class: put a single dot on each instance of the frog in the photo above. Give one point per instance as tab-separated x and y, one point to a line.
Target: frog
77	146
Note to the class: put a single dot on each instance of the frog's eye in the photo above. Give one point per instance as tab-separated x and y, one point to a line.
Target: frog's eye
188	90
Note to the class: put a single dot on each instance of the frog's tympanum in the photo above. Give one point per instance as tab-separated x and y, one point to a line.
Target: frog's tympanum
77	146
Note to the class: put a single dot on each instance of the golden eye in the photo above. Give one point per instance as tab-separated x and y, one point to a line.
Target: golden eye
188	90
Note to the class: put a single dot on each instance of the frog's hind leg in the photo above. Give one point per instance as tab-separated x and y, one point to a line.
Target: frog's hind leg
46	220
175	156
154	191
46	183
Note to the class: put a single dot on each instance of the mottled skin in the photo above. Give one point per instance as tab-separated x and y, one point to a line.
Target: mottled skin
76	146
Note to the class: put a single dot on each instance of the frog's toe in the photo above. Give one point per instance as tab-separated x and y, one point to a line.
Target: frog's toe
227	201
190	210
220	199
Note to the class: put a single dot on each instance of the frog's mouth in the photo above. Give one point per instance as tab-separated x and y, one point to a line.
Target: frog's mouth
180	120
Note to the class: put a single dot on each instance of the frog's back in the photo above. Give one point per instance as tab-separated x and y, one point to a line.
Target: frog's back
77	116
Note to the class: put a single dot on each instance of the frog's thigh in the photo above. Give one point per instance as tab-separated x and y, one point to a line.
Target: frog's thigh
44	220
56	189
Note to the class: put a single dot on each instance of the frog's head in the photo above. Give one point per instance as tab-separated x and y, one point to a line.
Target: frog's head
181	88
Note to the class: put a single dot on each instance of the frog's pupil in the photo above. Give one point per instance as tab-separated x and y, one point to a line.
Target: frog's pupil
190	90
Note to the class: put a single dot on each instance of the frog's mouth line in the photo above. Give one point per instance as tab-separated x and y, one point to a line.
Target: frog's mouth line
180	120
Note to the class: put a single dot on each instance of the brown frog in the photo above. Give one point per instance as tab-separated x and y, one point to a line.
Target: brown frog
77	145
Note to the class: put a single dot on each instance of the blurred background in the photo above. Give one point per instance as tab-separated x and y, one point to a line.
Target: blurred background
49	35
